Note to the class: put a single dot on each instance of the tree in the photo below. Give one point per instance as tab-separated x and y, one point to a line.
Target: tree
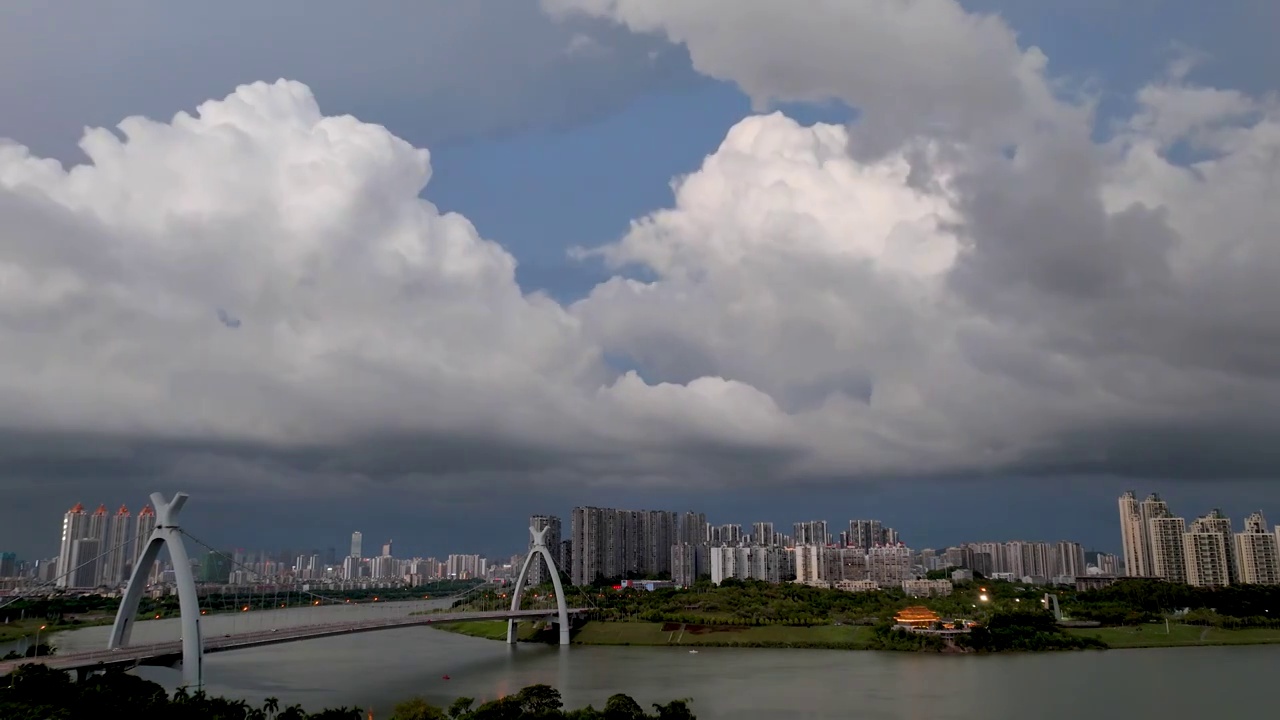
674	710
461	707
622	707
539	700
416	708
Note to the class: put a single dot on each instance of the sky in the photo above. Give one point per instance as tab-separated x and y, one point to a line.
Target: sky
422	269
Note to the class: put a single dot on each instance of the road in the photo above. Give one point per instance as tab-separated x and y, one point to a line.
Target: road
170	652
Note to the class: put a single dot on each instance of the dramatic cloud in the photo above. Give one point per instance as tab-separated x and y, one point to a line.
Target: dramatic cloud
962	281
965	279
436	70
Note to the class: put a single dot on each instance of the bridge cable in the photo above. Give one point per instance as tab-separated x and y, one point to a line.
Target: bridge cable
54	581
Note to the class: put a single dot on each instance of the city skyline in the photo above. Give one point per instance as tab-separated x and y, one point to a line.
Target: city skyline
492	545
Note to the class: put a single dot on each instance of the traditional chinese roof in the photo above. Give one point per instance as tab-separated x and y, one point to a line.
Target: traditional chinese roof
916	613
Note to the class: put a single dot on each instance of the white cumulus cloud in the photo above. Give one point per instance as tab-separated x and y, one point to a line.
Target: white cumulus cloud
961	281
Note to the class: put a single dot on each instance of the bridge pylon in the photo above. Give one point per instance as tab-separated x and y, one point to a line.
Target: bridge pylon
539	548
166	534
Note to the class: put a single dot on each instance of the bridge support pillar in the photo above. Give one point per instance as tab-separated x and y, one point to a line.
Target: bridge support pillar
539	548
167	534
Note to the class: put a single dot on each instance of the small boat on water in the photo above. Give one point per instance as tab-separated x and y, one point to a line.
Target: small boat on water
444	677
693	652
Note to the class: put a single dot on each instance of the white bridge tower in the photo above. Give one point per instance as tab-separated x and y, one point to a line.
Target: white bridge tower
539	548
166	534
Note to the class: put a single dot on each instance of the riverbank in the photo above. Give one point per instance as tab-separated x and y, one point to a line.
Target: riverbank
846	637
1153	635
840	637
15	630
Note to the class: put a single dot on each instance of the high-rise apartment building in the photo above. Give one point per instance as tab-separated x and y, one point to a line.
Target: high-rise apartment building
1208	563
813	532
725	535
1215	521
85	562
867	533
119	547
387	549
762	533
1168	553
1133	535
1069	560
746	563
693	529
1257	553
610	543
889	565
8	564
539	573
686	562
143	526
75	525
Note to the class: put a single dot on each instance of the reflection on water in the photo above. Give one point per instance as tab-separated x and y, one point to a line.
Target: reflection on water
375	670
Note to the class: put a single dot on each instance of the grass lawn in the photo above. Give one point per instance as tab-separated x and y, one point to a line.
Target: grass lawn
489	629
17	629
1153	635
637	633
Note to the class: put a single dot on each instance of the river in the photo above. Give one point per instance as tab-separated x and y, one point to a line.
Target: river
375	670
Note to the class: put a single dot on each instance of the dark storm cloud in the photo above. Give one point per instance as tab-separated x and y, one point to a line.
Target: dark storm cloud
435	71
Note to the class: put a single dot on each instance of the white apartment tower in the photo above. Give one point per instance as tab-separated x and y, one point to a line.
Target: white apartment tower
1257	553
1215	521
1205	548
1133	534
74	525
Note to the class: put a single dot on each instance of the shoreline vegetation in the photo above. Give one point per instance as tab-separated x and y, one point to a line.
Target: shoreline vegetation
1131	613
70	612
35	692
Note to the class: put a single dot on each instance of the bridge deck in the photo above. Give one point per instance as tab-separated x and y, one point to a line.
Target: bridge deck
169	652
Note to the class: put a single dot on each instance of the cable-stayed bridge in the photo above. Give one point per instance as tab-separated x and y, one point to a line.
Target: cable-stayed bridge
200	616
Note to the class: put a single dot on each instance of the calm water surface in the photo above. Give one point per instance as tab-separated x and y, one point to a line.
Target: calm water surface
375	670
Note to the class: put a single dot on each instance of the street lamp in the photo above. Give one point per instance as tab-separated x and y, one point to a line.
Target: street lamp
38	639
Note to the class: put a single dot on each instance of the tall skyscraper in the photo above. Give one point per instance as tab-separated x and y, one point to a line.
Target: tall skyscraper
74	526
1257	553
539	573
386	549
1133	534
356	539
118	560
